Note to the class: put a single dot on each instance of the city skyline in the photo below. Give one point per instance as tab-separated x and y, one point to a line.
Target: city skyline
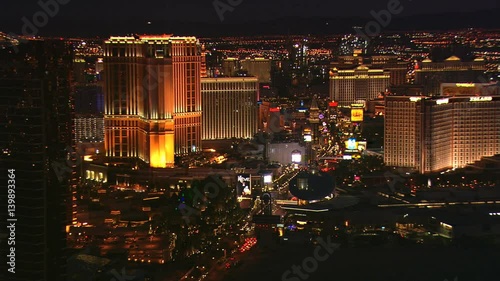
236	140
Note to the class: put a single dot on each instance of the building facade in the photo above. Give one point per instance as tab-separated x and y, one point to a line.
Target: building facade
230	107
89	129
470	89
230	66
431	74
433	134
259	67
36	140
89	114
286	153
152	98
397	68
359	84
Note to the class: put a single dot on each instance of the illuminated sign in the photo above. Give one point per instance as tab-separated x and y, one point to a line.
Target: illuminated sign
351	144
357	105
307	138
274	109
347	157
244	185
296	157
333	104
321	116
481	98
356	114
268	178
442	101
415	99
465	85
286	202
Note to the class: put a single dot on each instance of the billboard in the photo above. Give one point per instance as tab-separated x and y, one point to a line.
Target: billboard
244	185
296	157
287	202
268	178
356	114
333	104
351	144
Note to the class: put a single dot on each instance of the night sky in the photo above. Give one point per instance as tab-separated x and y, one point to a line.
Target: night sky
195	11
203	10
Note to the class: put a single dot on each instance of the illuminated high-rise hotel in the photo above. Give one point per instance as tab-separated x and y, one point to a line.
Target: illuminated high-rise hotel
359	84
152	98
230	107
433	134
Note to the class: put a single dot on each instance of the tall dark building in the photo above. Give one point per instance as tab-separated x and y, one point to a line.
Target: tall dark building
36	140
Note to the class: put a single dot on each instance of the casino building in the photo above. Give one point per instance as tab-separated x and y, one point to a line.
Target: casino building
432	134
431	74
152	98
229	107
359	84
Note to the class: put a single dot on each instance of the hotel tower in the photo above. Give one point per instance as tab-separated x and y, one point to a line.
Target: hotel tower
230	107
430	134
359	84
152	98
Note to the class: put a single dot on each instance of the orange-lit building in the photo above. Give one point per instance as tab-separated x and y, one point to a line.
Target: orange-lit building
152	98
434	134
